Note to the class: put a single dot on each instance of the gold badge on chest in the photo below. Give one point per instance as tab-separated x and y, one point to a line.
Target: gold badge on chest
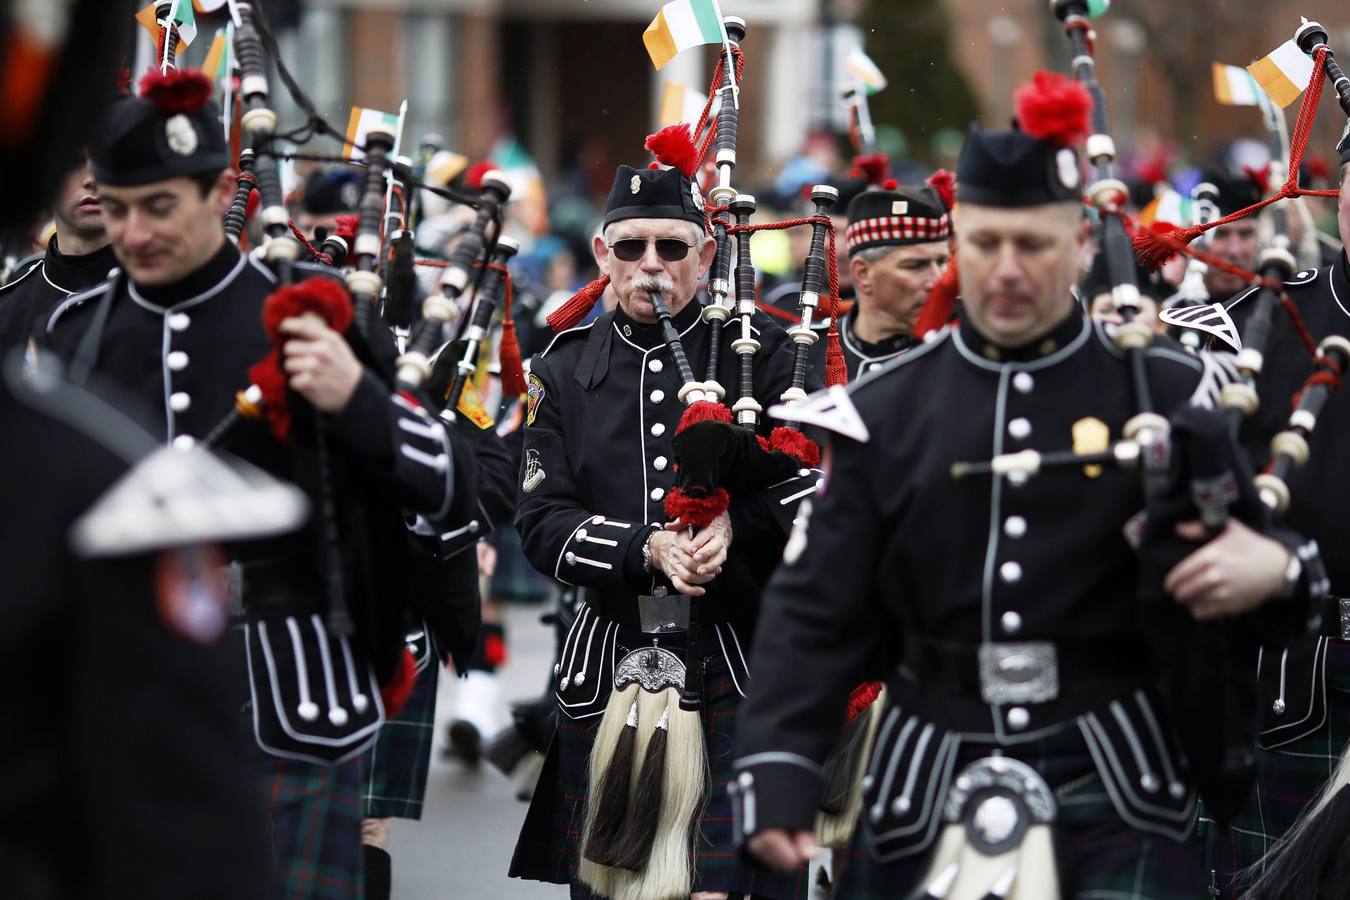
1091	435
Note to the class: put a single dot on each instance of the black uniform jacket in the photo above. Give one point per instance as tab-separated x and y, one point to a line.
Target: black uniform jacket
596	469
42	284
124	770
1293	678
186	348
861	357
895	557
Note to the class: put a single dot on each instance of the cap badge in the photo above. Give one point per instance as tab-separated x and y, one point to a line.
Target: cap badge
635	184
899	207
694	193
1066	164
180	134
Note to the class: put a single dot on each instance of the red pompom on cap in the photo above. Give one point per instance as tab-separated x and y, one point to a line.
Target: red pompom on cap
177	91
874	168
1054	108
674	146
944	183
473	178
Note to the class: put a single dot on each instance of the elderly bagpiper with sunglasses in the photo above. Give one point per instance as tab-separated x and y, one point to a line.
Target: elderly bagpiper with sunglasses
604	404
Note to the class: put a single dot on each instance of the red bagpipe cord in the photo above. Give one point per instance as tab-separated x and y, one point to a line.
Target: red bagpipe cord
1151	248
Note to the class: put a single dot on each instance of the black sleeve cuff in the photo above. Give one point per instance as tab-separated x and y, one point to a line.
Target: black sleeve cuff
773	790
633	569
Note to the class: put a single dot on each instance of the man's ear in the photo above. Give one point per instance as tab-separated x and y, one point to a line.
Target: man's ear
222	192
862	275
601	253
706	254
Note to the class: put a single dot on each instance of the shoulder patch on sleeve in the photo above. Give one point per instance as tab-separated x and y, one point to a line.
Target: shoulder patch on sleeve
830	409
534	395
471	407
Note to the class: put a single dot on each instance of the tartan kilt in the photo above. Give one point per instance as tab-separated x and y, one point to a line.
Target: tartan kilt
1288	778
396	781
548	848
315	817
1099	856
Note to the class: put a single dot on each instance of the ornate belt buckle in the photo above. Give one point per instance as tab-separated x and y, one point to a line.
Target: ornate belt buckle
1019	672
1344	607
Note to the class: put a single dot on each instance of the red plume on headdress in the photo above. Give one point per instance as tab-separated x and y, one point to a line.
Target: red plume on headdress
874	168
1153	169
944	183
674	146
1260	176
940	303
1054	108
473	177
177	91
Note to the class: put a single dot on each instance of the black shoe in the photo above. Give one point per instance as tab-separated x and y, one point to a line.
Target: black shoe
465	743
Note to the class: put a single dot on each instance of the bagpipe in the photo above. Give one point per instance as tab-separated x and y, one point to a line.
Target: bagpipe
1191	469
324	678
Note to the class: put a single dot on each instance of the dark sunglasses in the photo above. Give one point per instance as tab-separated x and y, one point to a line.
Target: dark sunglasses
632	249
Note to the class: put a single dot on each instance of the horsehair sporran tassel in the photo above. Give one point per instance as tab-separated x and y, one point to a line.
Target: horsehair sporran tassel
606	826
834	828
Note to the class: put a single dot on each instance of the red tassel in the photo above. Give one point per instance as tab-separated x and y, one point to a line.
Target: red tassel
570	314
177	91
940	303
323	296
271	380
863	696
795	444
1151	251
944	183
703	411
494	650
696	511
875	168
674	146
395	694
1054	108
890	184
508	353
836	368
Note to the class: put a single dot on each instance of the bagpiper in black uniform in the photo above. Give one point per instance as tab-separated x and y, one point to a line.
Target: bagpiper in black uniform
181	327
1305	715
125	769
1021	679
41	283
889	283
598	464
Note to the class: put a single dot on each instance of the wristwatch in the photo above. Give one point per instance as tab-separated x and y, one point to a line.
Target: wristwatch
647	552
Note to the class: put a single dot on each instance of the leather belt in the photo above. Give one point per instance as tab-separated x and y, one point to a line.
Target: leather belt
1017	672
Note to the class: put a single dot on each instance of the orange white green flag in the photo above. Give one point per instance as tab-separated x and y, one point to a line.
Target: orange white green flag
682	24
361	122
680	104
1235	86
1284	74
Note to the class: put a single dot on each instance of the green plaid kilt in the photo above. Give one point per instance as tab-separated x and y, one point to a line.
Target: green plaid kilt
1287	780
515	580
315	816
1099	856
396	780
549	841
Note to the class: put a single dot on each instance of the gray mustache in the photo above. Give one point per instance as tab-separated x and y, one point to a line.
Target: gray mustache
648	282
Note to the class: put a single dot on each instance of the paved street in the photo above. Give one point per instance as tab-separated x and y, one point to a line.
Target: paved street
462	846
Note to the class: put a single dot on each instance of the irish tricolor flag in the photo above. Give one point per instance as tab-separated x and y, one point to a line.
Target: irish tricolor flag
1284	74
362	122
682	24
1234	86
